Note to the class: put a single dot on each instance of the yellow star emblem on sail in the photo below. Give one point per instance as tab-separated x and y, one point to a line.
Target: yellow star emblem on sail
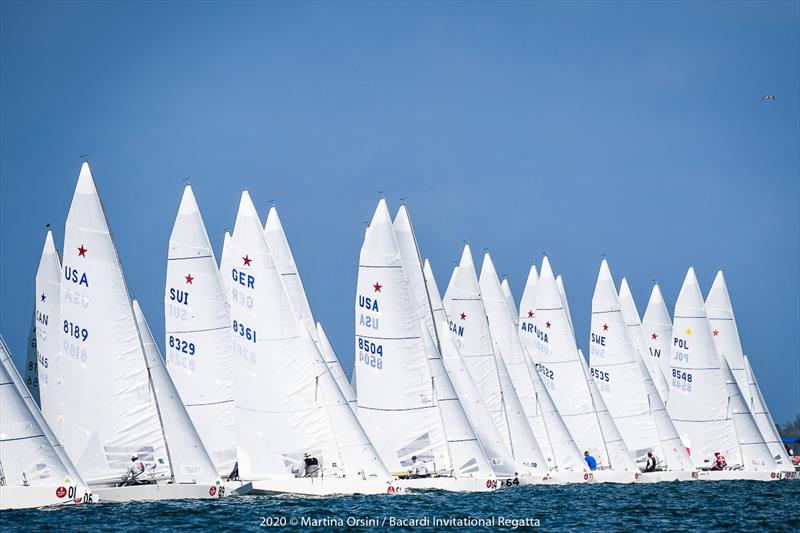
688	331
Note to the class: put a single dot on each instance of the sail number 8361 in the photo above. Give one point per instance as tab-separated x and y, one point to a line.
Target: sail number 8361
243	331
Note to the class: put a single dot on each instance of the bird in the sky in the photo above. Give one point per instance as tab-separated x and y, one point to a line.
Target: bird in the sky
767	98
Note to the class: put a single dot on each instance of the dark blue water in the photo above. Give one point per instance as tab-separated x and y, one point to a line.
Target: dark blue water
707	506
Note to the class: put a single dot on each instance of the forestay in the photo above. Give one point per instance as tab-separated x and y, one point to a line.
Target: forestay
197	337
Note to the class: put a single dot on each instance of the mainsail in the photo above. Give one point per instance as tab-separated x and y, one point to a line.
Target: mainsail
657	326
48	335
198	341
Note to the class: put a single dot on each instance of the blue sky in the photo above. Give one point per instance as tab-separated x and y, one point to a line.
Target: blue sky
631	129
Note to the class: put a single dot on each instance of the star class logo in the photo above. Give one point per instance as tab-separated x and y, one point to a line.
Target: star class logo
247	260
189	279
377	287
82	251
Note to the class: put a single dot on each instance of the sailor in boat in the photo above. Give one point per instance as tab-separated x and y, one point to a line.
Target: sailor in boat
651	463
136	469
234	475
719	462
419	468
591	461
311	466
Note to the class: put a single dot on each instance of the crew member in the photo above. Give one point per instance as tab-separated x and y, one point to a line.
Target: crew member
135	469
651	463
312	466
419	468
719	461
591	461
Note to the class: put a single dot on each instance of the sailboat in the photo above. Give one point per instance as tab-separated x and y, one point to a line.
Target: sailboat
34	470
198	342
563	459
657	327
469	325
705	401
110	404
631	315
480	418
573	390
726	339
47	336
284	260
405	399
627	387
288	405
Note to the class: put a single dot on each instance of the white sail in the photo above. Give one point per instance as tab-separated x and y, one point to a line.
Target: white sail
470	327
480	418
31	369
698	402
724	330
396	403
527	302
616	371
504	334
326	349
467	456
509	296
550	335
284	259
190	461
758	406
199	349
756	454
48	335
657	326
109	411
278	417
30	454
636	331
225	255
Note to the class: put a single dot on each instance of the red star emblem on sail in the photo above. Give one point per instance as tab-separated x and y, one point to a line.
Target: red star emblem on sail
189	279
547	324
530	314
463	316
82	251
377	287
246	260
654	336
716	333
605	327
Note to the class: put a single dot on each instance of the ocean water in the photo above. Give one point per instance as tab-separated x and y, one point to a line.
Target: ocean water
706	506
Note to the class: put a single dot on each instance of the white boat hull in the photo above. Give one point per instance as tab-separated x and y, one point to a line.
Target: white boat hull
327	486
729	475
668	475
794	474
236	488
461	484
15	497
158	491
616	476
564	477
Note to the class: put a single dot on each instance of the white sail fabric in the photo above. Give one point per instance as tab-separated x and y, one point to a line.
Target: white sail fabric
480	418
396	403
756	454
764	420
509	296
30	454
470	326
631	315
552	346
527	302
225	255
31	369
616	371
724	330
109	411
620	457
326	349
48	335
698	402
190	461
657	326
278	417
466	453
504	334
199	348
284	259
